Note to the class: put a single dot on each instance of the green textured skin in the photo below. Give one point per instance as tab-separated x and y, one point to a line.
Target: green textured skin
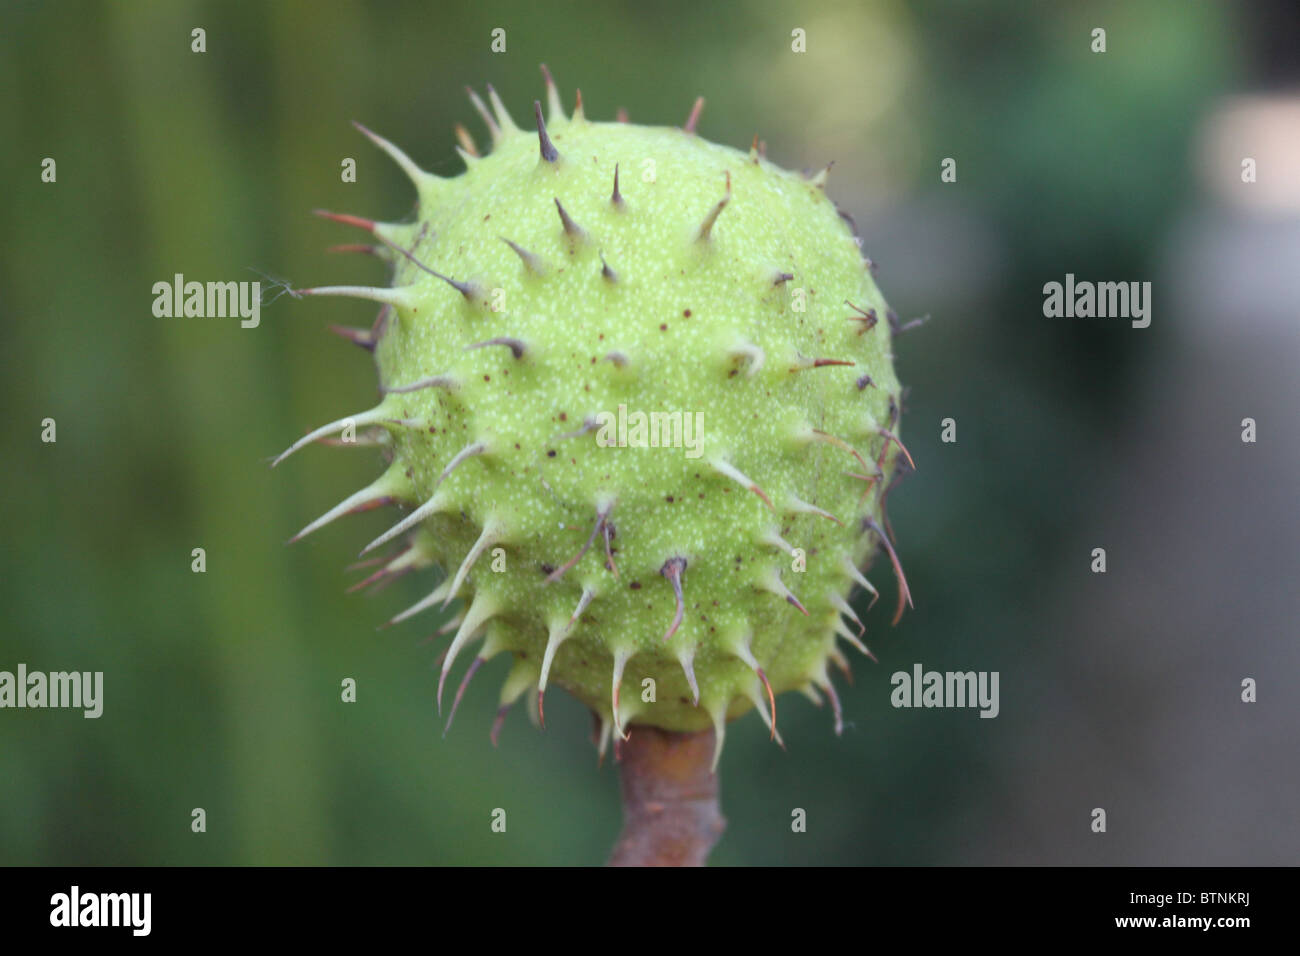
679	307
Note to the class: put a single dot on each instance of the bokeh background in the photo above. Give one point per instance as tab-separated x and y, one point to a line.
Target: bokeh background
1119	691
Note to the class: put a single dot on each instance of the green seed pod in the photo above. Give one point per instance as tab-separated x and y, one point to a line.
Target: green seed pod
638	401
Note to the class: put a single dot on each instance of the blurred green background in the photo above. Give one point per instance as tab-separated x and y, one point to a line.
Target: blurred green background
222	689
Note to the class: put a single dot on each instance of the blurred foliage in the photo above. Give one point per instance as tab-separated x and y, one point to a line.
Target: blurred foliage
222	689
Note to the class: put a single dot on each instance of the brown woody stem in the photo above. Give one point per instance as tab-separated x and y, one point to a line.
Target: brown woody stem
670	799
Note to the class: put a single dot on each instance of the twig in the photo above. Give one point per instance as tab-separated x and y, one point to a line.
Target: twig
670	799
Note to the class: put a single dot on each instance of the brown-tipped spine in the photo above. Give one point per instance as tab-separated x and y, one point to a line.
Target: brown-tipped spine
706	229
617	197
866	316
466	140
694	118
672	570
361	337
571	228
547	148
531	261
517	347
466	289
483	111
341	217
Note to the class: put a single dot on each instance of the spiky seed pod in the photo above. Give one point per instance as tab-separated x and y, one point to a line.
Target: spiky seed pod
546	308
